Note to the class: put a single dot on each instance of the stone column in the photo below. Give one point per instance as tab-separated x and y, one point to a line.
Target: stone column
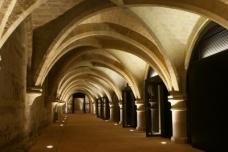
179	122
121	112
141	117
111	107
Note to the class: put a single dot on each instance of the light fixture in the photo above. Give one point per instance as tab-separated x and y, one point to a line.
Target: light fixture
49	146
163	142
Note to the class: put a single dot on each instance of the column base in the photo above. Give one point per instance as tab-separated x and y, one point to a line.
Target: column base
181	140
140	128
120	122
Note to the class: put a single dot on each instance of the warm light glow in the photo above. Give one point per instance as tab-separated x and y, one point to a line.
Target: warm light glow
131	130
106	120
65	116
115	124
49	146
63	121
61	125
163	142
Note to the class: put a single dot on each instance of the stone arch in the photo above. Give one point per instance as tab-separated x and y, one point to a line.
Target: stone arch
81	90
121	46
110	64
72	18
216	10
90	81
83	71
155	60
195	36
15	23
77	88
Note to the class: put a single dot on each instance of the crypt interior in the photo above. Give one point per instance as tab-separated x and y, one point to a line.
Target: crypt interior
156	66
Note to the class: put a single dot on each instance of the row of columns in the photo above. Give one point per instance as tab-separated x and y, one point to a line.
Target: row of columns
178	109
179	123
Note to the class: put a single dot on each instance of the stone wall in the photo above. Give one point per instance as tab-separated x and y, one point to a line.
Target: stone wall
20	120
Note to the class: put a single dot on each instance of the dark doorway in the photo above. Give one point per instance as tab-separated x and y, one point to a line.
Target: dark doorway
99	109
207	92
102	108
158	113
80	96
105	108
129	108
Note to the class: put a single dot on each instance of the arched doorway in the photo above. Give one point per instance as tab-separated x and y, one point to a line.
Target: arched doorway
129	108
79	103
158	114
207	91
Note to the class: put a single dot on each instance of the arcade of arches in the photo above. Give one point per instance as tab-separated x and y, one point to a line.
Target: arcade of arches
156	66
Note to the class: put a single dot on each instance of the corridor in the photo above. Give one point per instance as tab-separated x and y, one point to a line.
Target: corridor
85	133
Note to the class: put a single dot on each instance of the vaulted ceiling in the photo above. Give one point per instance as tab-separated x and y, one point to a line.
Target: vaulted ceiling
97	47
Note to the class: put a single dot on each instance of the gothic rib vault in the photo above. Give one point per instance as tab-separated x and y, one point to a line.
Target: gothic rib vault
122	37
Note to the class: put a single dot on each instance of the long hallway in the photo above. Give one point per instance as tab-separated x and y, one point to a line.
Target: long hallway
85	133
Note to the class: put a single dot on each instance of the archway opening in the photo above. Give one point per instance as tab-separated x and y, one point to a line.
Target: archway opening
207	91
158	113
129	108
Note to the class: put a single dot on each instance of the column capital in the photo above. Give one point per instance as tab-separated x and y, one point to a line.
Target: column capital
54	104
139	101
111	105
140	104
120	105
31	96
178	102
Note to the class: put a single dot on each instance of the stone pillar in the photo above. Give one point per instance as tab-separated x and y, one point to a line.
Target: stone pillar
179	122
111	107
141	117
121	112
155	122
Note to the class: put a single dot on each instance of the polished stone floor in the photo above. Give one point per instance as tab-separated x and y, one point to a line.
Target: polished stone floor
86	133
